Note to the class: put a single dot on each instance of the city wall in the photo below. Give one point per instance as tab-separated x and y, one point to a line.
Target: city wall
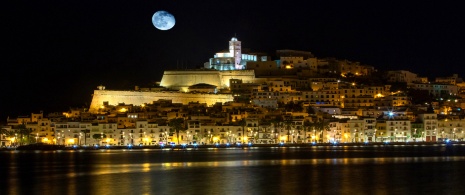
247	76
182	79
178	80
139	98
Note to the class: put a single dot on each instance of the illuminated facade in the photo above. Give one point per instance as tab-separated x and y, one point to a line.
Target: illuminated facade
183	79
233	58
101	98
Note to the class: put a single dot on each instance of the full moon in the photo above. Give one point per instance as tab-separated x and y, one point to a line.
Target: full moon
163	20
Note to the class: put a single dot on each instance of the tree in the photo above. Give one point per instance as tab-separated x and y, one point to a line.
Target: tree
86	132
298	128
306	127
321	126
23	133
288	124
243	123
277	123
176	124
99	137
6	133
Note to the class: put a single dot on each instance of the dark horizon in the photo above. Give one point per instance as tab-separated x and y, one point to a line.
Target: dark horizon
55	53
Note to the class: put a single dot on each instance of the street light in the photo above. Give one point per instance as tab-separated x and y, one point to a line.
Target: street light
292	136
122	141
166	136
314	135
355	135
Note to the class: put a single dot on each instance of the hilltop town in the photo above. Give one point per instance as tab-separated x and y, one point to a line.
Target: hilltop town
245	97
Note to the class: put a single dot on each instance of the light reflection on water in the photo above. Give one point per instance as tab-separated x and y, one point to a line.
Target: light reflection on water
103	169
231	171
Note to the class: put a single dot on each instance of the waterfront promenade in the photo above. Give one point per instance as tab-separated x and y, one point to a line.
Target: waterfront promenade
226	146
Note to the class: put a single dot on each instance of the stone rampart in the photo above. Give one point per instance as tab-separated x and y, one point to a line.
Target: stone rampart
182	79
247	76
139	98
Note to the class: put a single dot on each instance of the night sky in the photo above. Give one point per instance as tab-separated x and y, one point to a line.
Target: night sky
55	53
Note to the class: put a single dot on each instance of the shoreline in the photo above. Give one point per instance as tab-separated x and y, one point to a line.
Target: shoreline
225	146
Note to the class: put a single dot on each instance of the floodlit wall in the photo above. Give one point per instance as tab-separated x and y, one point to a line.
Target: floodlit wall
138	98
247	76
182	79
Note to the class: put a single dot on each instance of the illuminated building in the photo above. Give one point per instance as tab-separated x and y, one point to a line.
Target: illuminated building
233	58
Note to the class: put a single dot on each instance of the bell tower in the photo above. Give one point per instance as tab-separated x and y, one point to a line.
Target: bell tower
235	51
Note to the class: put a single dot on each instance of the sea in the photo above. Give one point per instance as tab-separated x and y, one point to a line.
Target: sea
373	169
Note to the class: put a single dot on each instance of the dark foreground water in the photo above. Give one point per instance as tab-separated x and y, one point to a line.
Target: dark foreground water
313	170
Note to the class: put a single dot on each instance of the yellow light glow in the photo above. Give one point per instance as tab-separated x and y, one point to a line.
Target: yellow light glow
215	139
108	140
123	110
282	138
71	141
288	66
244	138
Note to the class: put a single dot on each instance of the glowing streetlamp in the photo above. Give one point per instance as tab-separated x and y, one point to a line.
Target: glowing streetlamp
375	135
122	141
355	136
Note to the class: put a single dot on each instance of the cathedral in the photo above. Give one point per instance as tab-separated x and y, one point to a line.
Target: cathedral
233	58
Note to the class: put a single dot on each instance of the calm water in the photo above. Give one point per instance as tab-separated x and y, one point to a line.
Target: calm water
313	170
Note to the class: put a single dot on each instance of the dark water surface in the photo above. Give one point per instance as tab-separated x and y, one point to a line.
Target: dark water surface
311	170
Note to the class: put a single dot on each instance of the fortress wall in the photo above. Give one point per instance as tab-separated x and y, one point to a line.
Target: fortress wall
139	98
247	76
185	78
182	79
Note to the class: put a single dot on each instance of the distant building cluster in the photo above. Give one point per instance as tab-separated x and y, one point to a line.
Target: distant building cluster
238	97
